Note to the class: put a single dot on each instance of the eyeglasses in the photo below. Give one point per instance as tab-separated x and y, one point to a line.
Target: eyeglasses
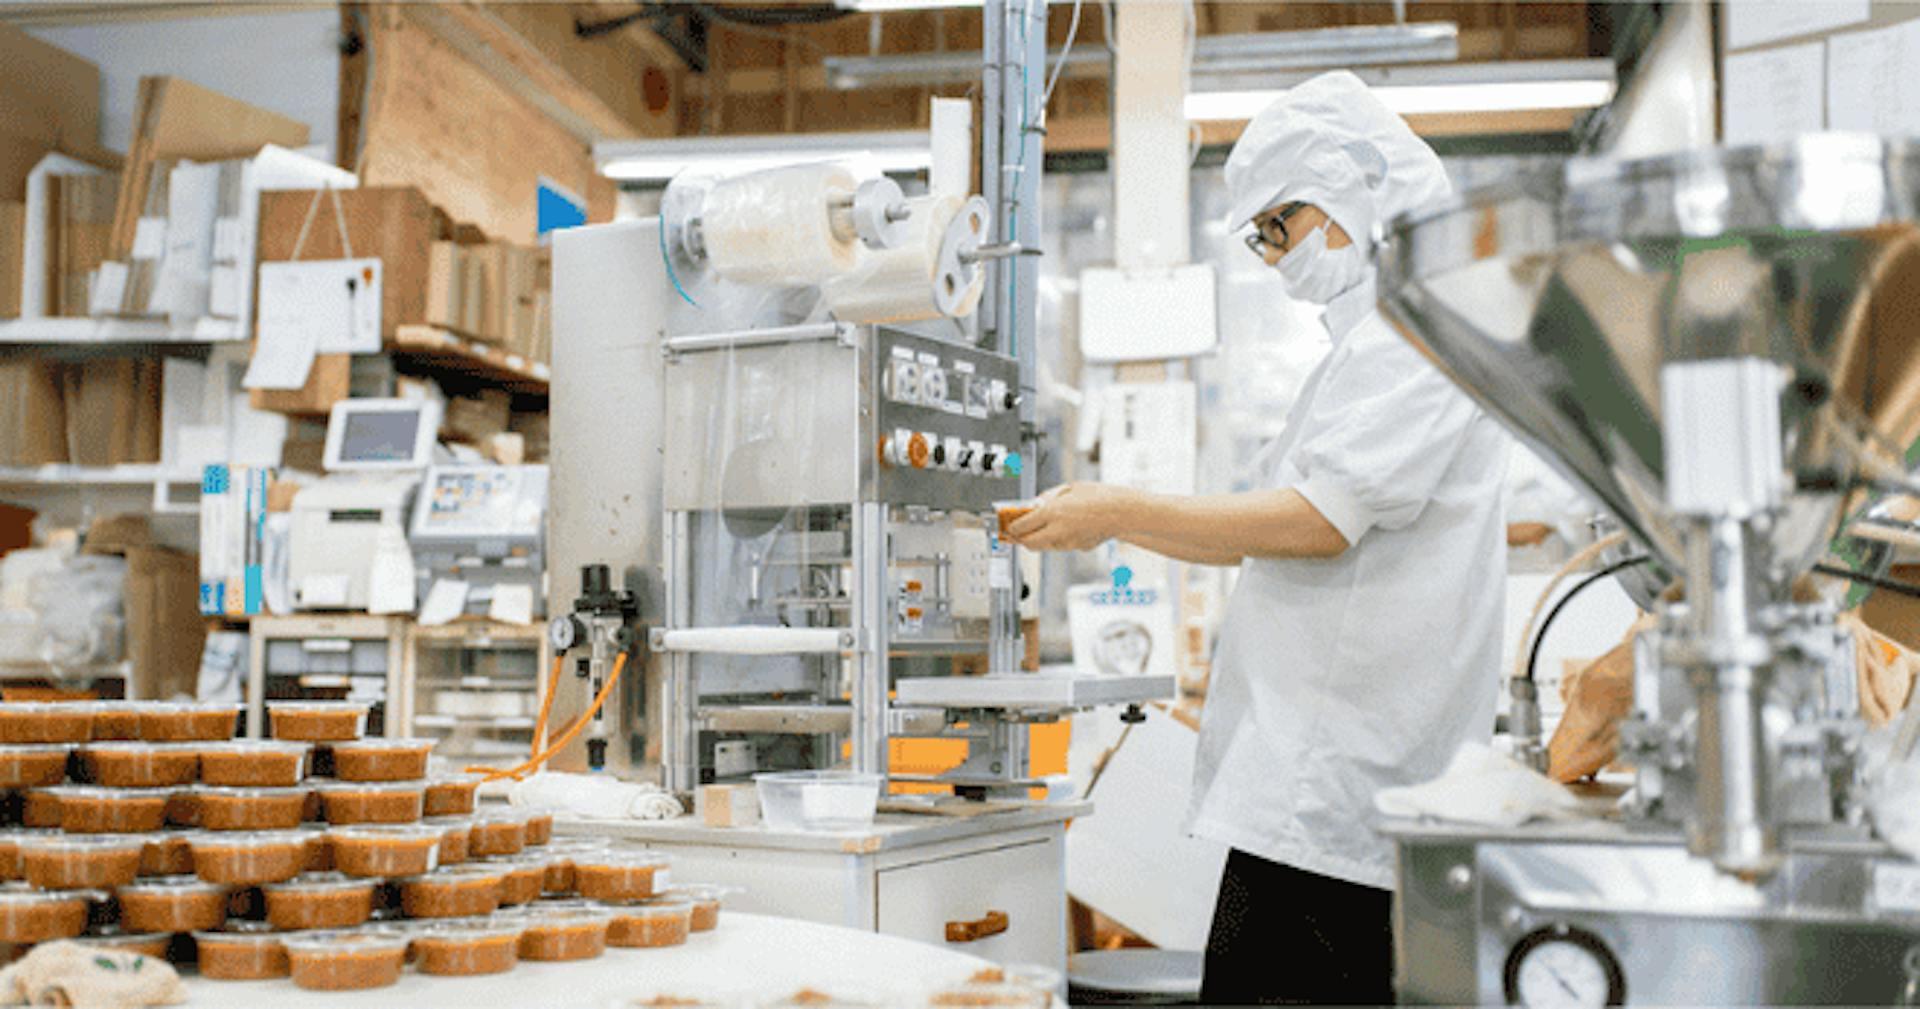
1260	240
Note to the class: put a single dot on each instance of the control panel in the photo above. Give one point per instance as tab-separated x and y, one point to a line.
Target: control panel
947	421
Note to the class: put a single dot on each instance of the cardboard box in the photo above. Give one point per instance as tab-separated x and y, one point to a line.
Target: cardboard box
164	630
33	412
113	411
118	534
1895	615
328	383
49	101
477	417
13	239
395	224
446	263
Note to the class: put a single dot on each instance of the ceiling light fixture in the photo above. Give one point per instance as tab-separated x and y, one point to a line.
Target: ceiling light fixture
1516	86
661	160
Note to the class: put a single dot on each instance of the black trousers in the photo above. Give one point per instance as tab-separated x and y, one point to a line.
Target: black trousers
1284	936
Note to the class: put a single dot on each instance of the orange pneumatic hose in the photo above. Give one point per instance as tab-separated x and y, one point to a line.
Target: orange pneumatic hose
599	700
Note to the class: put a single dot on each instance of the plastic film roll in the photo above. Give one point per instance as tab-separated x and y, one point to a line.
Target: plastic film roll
906	283
774	227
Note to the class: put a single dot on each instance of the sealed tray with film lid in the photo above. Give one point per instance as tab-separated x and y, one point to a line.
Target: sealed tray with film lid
456	838
818	800
40	807
28	916
10	837
386	849
319	847
249	858
452	794
319	900
80	861
705	898
124	764
382	759
243	951
346	960
525	876
172	904
230	808
468	947
650	923
33	765
166	853
498	832
46	721
571	933
116	720
318	721
350	802
149	944
455	892
95	809
254	763
188	721
617	874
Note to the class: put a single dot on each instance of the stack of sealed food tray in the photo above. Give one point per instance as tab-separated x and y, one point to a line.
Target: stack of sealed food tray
319	855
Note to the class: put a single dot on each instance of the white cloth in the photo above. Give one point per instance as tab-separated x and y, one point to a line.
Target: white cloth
1335	678
594	795
1482	786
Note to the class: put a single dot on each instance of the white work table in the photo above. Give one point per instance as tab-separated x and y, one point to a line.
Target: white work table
909	875
747	955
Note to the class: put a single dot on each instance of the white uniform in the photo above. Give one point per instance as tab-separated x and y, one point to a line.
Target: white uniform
1335	678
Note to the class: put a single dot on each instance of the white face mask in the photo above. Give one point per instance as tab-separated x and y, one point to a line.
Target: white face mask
1317	274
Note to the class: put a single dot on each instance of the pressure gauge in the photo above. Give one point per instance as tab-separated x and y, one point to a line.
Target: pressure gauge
563	632
1563	967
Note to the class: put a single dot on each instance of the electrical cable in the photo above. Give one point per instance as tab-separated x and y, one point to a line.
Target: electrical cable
668	260
1898	587
1060	64
1533	656
777	17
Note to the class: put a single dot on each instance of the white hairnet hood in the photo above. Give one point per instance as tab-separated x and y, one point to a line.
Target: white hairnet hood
1331	143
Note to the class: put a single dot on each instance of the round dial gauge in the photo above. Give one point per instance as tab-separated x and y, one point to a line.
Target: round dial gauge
563	632
1560	967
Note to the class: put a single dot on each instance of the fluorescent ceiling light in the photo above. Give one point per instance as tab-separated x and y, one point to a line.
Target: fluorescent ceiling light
1248	52
1457	88
661	160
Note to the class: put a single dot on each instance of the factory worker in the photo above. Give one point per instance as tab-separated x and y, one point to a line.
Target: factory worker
1361	644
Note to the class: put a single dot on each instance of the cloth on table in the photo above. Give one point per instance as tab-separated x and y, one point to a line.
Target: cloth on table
1481	786
595	796
63	973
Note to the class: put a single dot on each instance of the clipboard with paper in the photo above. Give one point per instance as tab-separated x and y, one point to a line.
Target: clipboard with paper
307	308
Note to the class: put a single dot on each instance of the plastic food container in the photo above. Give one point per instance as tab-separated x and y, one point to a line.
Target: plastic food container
116	720
139	765
382	759
539	828
188	721
319	900
249	859
71	862
172	904
46	721
619	875
34	916
10	866
251	808
40	807
705	899
648	924
166	853
498	832
254	763
343	961
818	800
372	801
318	721
463	949
33	765
91	809
386	849
456	837
453	795
562	934
183	808
817	998
459	892
678	999
525	876
153	944
245	951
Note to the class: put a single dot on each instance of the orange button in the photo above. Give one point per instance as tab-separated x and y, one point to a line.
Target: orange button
917	451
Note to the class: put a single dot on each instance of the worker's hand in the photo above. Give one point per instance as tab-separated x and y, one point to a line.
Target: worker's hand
1075	516
1588	738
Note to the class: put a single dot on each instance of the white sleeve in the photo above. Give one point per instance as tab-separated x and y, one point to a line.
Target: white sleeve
1380	436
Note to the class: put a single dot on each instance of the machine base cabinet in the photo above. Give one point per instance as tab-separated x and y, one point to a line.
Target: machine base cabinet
982	885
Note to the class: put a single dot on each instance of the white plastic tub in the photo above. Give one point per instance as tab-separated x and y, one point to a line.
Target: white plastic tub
818	800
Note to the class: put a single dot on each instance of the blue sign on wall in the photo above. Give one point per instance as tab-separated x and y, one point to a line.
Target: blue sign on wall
558	208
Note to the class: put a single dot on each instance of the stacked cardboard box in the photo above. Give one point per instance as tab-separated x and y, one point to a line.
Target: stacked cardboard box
80	212
13	239
103	412
494	292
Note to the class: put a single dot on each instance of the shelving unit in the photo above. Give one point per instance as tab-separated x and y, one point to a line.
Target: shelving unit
444	348
485	664
112	332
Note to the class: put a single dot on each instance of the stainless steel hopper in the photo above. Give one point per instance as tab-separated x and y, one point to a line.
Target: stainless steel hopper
1556	297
